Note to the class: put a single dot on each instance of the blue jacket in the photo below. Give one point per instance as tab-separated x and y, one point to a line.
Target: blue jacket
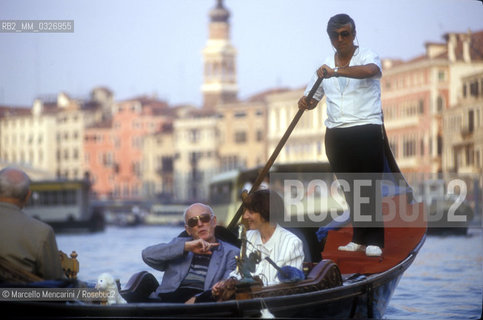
171	258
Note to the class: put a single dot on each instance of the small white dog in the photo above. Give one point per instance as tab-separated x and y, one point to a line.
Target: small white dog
106	283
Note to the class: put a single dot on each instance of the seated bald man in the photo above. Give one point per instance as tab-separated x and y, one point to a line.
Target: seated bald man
191	264
25	242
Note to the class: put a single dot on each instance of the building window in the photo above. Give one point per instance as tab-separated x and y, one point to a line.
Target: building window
474	89
259	135
107	159
440	104
440	145
167	164
409	147
471	121
441	76
194	135
240	137
137	142
136	168
470	155
240	114
421	106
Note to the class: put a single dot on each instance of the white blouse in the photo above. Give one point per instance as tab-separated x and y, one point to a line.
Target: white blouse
284	248
351	102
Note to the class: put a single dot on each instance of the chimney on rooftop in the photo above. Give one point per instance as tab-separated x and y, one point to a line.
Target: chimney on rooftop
451	41
466	39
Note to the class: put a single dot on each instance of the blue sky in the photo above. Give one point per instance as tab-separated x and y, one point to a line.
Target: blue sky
154	47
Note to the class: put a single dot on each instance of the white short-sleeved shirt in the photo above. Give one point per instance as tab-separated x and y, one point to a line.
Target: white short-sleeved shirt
284	248
351	102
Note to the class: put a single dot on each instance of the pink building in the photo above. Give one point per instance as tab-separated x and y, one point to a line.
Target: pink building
416	94
113	148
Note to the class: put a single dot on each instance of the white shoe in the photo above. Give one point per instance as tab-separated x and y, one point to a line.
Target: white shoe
351	246
373	251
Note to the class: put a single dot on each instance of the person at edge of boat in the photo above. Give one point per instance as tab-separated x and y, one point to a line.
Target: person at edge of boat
25	242
354	135
262	208
191	264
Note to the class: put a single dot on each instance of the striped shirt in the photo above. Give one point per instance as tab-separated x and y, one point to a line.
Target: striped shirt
283	247
195	279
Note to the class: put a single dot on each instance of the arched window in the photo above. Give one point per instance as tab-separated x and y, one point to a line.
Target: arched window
440	104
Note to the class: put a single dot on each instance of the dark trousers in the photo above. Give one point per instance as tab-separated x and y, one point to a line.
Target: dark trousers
356	154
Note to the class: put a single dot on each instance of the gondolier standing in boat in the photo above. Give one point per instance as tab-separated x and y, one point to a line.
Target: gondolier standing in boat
354	136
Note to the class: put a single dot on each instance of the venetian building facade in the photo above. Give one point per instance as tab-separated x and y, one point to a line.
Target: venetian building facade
158	164
463	129
8	121
219	58
72	119
50	136
27	139
416	94
242	128
196	154
306	143
114	147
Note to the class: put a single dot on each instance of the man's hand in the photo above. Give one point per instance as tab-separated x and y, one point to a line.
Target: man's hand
217	288
224	290
200	246
304	105
325	72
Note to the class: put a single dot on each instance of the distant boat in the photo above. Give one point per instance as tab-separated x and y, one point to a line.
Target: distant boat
64	204
448	216
165	214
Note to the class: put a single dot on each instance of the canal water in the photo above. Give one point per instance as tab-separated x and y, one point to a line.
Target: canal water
444	282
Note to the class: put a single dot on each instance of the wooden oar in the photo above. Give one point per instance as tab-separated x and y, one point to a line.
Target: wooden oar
271	160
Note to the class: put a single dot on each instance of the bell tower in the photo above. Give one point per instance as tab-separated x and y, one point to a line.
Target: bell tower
219	57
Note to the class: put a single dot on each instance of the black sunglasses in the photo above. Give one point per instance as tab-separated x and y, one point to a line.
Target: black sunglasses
343	34
204	218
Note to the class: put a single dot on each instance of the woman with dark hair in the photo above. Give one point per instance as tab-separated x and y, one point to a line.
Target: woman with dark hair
354	135
262	209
